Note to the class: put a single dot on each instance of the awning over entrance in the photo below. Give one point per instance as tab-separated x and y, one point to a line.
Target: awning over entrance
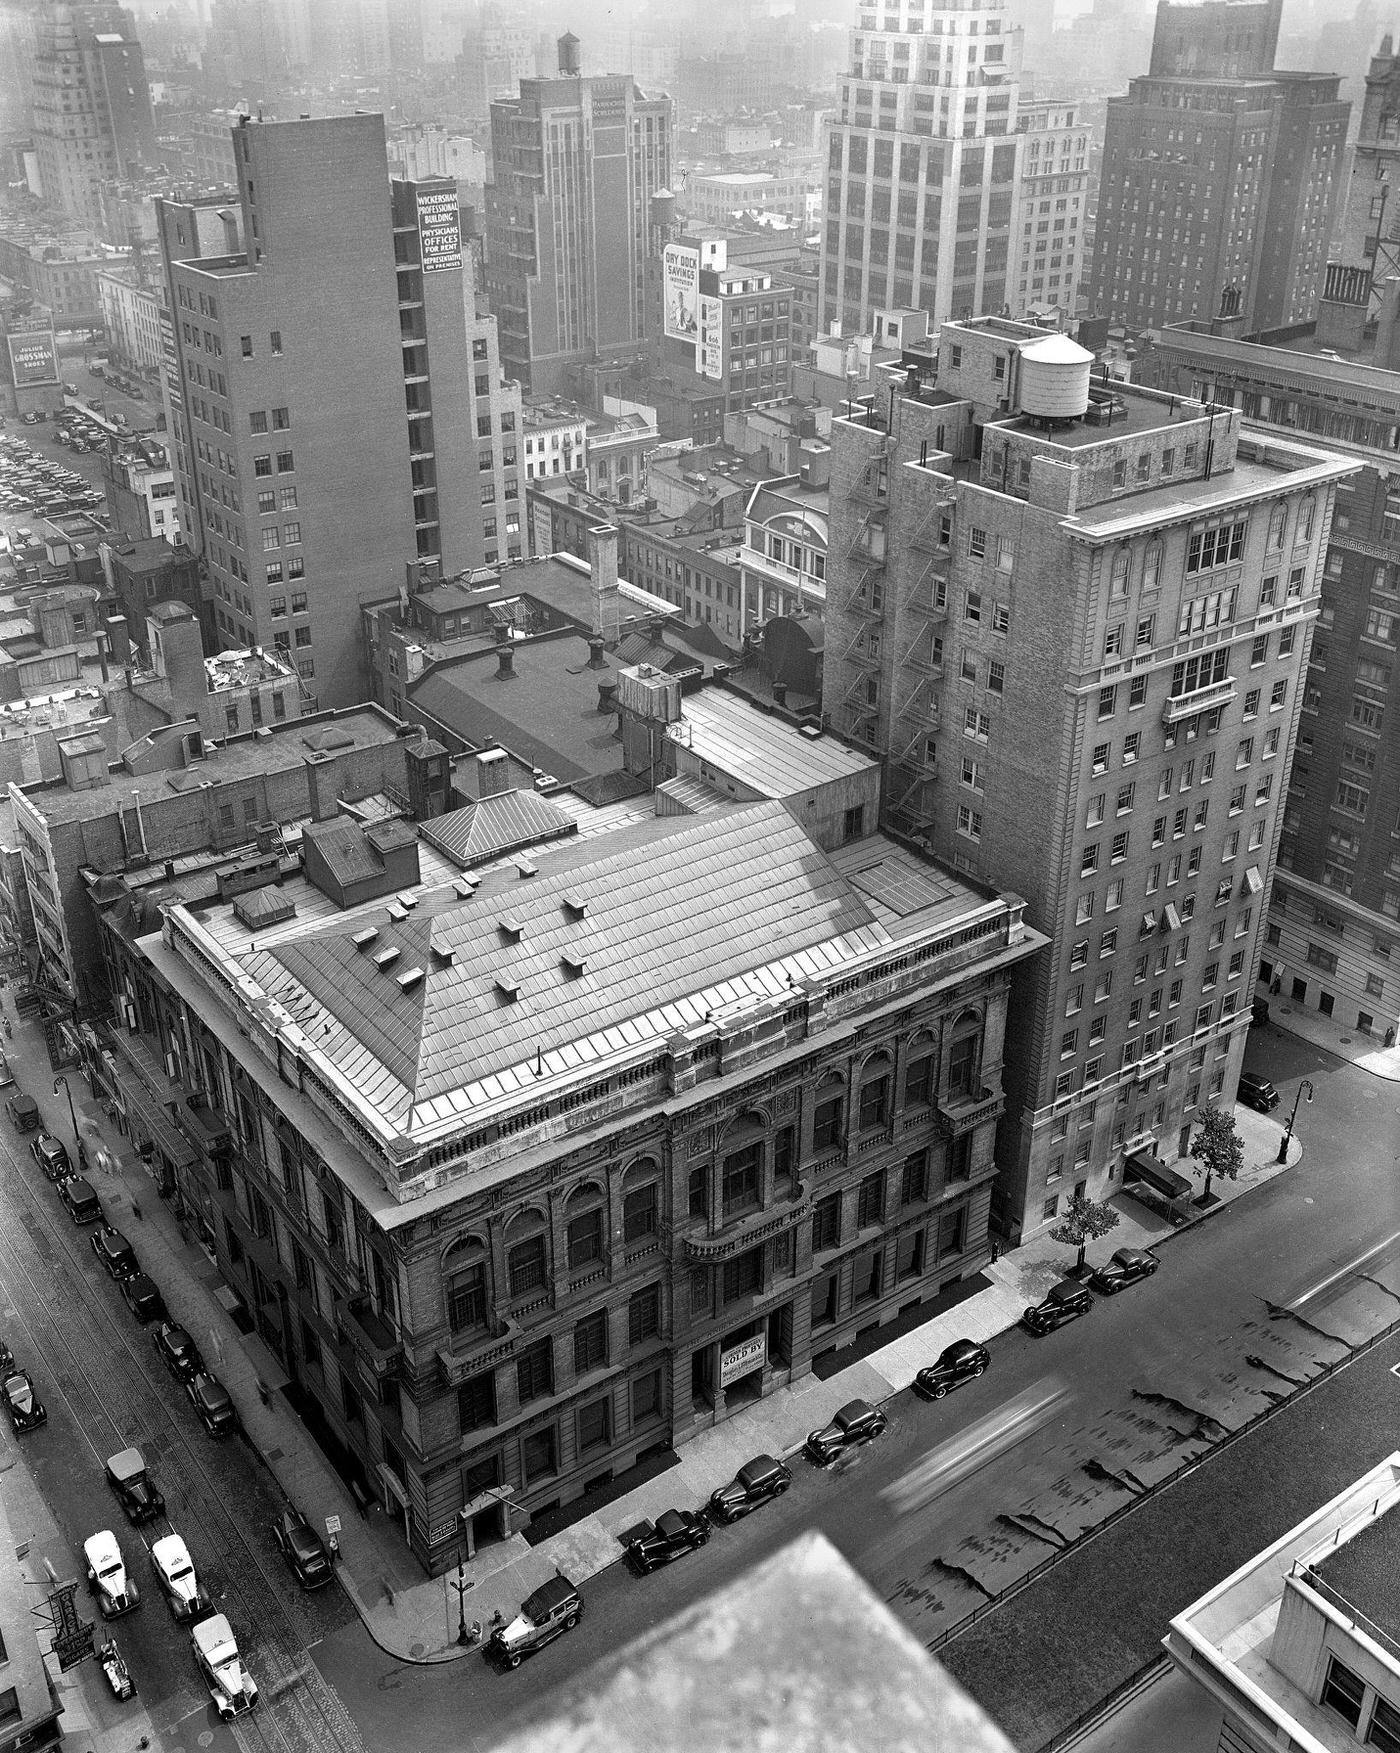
394	1485
1155	1172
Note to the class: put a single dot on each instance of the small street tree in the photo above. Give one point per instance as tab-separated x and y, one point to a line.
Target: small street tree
1084	1221
1217	1147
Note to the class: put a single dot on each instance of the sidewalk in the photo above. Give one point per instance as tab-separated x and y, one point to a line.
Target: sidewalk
413	1618
1327	1033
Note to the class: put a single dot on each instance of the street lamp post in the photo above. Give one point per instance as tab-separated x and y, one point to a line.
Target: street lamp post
77	1142
1304	1084
461	1585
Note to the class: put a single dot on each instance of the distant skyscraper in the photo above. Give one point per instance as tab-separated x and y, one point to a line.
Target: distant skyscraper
569	222
1368	231
1219	175
1048	251
336	406
922	166
92	106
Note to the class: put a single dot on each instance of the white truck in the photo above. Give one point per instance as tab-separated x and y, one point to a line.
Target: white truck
231	1686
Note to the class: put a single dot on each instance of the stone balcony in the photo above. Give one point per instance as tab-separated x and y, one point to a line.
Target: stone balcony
368	1335
962	1112
760	1226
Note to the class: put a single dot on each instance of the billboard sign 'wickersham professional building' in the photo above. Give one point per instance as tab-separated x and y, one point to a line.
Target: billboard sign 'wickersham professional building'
439	227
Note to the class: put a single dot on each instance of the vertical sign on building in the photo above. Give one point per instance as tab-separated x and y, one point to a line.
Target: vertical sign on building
33	358
439	228
680	274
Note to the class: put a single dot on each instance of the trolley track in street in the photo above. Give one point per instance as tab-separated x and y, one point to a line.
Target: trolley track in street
73	1336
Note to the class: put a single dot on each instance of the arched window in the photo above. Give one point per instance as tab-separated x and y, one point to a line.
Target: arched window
1152	566
1278	524
875	1084
465	1284
965	1054
527	1253
920	1072
1305	519
741	1166
828	1114
583	1226
641	1201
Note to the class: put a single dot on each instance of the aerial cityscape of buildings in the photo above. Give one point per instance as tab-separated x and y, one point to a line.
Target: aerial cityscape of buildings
671	685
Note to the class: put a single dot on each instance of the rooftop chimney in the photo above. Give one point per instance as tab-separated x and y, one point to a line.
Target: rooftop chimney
505	661
780	693
596	660
602	564
607	696
492	772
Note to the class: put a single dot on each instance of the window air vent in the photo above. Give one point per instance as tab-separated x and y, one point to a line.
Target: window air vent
363	939
385	958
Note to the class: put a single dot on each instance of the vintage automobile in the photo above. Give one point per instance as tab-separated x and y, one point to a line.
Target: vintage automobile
175	1572
1064	1301
1126	1267
106	1575
136	1490
962	1361
80	1197
212	1401
754	1483
303	1549
143	1298
115	1252
177	1351
24	1406
554	1607
855	1423
51	1155
674	1533
231	1686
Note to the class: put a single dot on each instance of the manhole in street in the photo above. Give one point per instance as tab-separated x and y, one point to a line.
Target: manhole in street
416	1649
274	1454
206	1738
1346	1040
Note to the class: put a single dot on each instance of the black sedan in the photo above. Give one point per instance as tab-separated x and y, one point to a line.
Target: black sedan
303	1549
1064	1301
51	1155
857	1422
177	1351
962	1361
138	1493
1126	1267
115	1252
143	1298
24	1406
755	1482
673	1534
212	1401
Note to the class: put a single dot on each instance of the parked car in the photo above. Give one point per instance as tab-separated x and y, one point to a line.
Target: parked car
1256	1092
23	1111
231	1686
143	1298
962	1361
674	1533
136	1490
177	1351
51	1156
303	1549
1064	1301
1126	1267
211	1400
554	1607
855	1423
80	1197
106	1575
24	1406
754	1483
175	1572
115	1252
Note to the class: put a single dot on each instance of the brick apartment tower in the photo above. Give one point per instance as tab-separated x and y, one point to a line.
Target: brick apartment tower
922	166
335	403
1368	224
1219	174
93	123
1075	625
569	221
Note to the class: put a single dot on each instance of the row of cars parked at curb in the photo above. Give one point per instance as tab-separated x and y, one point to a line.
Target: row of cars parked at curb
116	1592
557	1606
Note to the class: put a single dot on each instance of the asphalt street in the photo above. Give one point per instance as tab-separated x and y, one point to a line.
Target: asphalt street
1244	1307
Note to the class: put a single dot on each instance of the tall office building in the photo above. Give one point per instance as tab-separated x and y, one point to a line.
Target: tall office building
1368	228
91	104
1048	253
570	229
1074	624
335	403
1221	177
922	166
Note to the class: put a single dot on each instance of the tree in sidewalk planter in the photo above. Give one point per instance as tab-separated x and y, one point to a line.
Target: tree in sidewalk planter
1085	1220
1217	1147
